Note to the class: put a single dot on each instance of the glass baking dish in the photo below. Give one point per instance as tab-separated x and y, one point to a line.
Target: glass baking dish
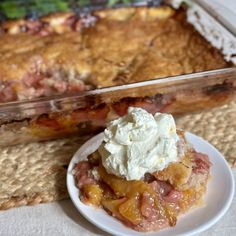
86	113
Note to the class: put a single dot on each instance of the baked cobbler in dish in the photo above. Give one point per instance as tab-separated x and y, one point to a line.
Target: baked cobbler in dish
144	173
67	54
64	53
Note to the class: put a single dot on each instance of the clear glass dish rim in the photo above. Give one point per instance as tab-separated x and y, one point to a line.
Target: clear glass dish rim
162	82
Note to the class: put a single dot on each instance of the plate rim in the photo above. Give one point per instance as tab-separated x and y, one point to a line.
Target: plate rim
192	231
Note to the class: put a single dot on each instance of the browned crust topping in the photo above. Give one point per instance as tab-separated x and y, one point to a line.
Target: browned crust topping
63	53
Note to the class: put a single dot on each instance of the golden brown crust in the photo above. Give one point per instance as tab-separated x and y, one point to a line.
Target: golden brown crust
111	47
119	14
177	174
55	22
176	49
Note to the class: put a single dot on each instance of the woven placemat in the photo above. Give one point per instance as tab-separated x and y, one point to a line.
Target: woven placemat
36	172
217	125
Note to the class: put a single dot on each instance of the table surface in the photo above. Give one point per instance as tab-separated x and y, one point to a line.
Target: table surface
62	218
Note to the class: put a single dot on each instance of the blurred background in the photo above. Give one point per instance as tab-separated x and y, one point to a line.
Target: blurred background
33	8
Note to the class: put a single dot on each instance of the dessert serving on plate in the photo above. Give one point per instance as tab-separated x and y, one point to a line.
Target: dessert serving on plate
144	173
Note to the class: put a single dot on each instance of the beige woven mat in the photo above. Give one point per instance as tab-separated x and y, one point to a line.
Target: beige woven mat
218	126
36	172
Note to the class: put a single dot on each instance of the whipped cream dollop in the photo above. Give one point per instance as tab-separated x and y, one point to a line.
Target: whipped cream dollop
139	143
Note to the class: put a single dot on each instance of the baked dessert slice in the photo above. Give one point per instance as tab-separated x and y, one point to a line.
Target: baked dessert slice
153	202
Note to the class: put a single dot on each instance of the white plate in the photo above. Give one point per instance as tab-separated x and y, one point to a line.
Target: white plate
219	196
